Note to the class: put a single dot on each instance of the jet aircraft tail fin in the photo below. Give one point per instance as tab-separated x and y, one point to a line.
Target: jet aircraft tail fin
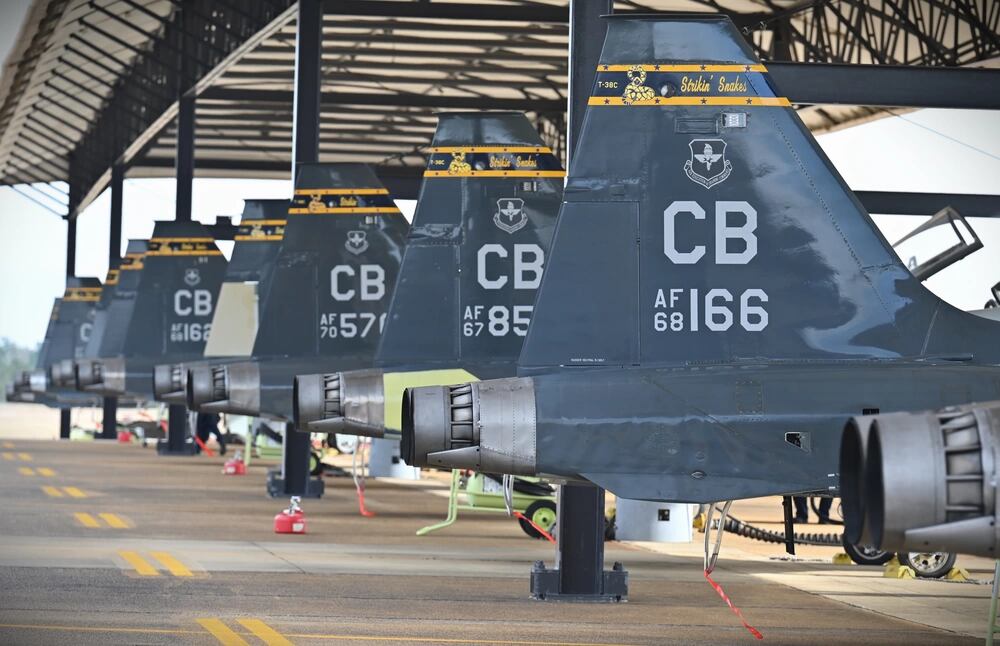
477	246
702	223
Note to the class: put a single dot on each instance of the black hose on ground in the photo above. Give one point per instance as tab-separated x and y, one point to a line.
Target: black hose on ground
737	526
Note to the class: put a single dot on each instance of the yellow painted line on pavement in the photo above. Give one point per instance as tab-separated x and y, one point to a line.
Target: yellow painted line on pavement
45	471
223	633
445	640
52	491
25	457
174	566
74	492
26	471
211	625
86	519
8	456
115	521
139	564
102	629
265	633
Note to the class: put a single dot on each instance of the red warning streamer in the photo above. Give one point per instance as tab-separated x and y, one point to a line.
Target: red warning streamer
541	531
739	613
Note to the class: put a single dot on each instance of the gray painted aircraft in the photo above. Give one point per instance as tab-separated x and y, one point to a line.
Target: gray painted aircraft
473	262
257	242
717	304
70	327
168	315
64	372
329	292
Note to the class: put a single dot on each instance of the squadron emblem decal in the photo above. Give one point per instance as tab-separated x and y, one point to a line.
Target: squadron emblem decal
708	165
510	215
191	277
357	242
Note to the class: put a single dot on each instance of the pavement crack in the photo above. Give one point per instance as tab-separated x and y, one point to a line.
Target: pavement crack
280	558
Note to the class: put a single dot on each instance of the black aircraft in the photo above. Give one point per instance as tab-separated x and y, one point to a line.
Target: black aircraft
717	304
473	262
69	329
328	294
234	322
163	311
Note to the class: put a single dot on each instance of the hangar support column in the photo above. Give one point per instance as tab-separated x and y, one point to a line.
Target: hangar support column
579	574
74	197
109	424
305	149
177	431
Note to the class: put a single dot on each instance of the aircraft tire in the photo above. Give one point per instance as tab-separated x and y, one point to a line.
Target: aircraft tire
867	555
928	565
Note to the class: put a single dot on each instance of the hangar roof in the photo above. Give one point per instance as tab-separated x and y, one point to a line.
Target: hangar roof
93	81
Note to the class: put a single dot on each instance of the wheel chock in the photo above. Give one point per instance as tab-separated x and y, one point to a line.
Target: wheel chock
957	574
842	559
893	570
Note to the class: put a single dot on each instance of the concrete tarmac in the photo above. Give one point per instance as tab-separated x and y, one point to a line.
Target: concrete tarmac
103	543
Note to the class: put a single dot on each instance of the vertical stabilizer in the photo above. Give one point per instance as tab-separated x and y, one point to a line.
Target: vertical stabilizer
702	223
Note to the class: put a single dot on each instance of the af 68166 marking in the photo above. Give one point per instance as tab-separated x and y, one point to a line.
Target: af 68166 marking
680	309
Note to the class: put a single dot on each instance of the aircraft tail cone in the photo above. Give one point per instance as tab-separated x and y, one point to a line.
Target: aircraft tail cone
170	383
486	426
341	402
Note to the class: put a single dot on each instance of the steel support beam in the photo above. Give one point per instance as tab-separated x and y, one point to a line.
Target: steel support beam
889	203
447	10
185	157
305	149
402	100
306	102
586	38
903	86
579	573
70	247
64	423
109	425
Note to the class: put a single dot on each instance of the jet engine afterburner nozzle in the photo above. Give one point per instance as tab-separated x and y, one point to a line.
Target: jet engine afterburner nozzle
930	480
63	374
101	376
230	388
486	426
38	381
170	383
340	402
87	373
853	444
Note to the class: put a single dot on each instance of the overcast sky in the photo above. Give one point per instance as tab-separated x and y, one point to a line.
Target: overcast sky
947	151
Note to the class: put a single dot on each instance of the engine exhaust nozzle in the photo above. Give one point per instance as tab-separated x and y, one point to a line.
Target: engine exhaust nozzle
229	388
486	426
340	402
170	383
930	480
101	376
